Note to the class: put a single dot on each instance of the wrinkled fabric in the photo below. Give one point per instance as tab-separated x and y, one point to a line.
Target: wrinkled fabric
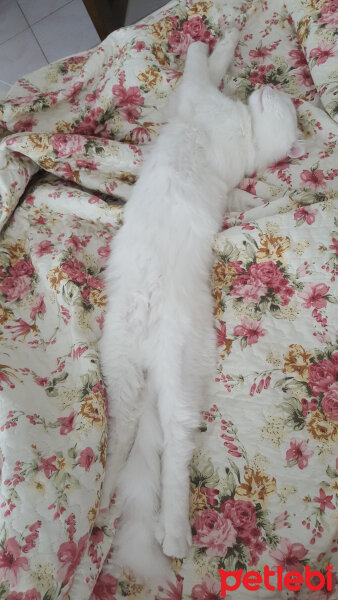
264	476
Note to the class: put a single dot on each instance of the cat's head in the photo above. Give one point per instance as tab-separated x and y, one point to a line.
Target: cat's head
274	122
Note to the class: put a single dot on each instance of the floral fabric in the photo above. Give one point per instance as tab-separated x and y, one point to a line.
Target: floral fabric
264	477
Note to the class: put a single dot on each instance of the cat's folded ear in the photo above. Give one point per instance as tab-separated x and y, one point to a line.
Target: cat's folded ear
297	149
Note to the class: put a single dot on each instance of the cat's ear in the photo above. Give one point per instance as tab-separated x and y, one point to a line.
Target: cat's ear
297	149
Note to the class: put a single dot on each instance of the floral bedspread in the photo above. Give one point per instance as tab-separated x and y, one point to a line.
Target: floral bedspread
264	478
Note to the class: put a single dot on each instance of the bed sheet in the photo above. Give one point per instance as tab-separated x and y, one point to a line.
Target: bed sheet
264	477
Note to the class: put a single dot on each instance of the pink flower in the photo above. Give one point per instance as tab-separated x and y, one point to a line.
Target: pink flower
67	423
44	247
25	124
15	288
11	561
90	123
329	14
248	288
103	251
242	515
334	245
260	54
41	381
105	587
69	555
179	43
314	295
73	268
48	466
289	555
304	77
211	495
68	144
322	374
87	457
139	46
127	97
248	185
324	501
299	451
86	163
130	113
323	52
32	594
314	180
21	328
208	589
298	58
330	402
215	532
259	74
304	212
22	267
38	306
252	330
197	30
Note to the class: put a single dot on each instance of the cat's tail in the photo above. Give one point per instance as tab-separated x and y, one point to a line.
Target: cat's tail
135	544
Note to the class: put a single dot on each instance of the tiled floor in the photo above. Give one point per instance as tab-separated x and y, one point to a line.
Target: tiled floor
34	33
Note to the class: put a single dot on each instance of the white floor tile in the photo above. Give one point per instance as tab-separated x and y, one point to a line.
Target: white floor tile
137	10
20	55
35	10
4	89
67	31
12	20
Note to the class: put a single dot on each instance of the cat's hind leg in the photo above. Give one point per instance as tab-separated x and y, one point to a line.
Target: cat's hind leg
222	55
124	381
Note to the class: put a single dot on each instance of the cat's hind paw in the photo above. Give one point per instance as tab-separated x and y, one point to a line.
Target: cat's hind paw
176	545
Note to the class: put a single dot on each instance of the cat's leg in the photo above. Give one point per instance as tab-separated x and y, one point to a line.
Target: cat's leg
222	56
124	380
188	370
196	68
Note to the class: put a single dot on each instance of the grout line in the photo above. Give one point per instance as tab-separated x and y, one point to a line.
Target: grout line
51	13
38	43
13	36
5	83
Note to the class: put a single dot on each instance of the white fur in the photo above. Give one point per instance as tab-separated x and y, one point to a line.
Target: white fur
158	348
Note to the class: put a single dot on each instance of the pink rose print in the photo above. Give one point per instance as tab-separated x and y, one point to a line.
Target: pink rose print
139	46
323	52
15	288
87	457
324	501
314	295
289	556
208	589
214	531
248	185
69	555
251	330
67	423
90	123
179	43
323	374
305	213
261	277
11	561
299	452
105	587
258	75
128	100
330	402
68	144
25	124
314	180
329	13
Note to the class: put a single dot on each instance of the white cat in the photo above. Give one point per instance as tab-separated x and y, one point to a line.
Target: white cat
158	348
